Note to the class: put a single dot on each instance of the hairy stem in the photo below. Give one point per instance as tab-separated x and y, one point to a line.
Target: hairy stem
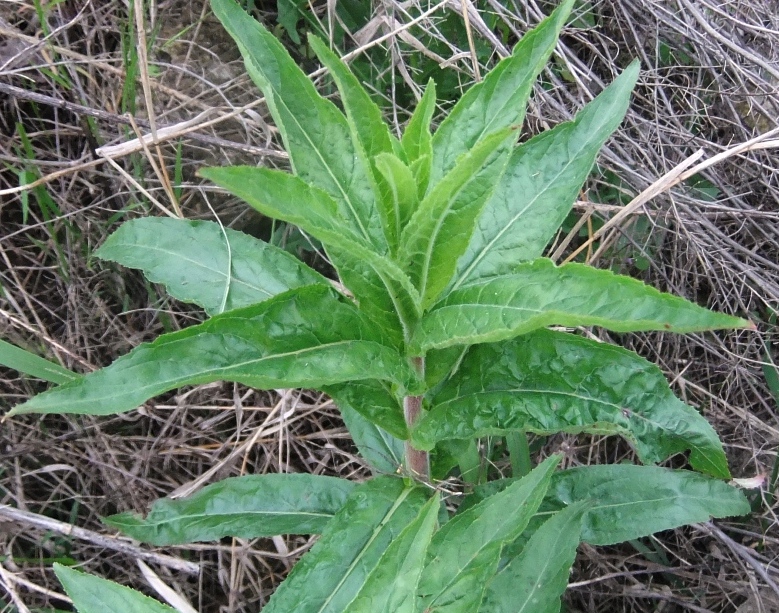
417	462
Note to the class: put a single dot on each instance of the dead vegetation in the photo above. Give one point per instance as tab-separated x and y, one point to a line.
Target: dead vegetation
686	197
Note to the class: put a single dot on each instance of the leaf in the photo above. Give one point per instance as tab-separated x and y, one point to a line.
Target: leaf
92	594
245	507
392	584
417	140
331	575
540	294
464	553
383	452
548	382
363	114
401	198
306	337
216	268
316	134
541	182
441	227
374	401
630	502
33	365
534	581
499	100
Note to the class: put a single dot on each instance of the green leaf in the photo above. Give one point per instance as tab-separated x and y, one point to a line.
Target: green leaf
331	575
401	199
417	140
216	268
383	452
289	198
92	594
245	507
440	229
534	581
374	401
392	584
33	365
316	134
306	337
363	114
499	100
547	382
540	294
465	552
541	182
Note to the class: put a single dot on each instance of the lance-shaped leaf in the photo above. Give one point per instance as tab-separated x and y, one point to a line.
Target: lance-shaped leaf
534	581
392	584
630	502
417	140
499	100
316	134
245	507
216	268
464	554
306	337
439	231
33	365
547	382
374	401
331	575
400	198
383	452
92	594
540	294
541	182
283	196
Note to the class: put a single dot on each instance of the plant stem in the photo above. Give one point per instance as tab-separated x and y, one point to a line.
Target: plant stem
417	462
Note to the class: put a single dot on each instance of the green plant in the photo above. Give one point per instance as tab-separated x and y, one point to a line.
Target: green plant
441	339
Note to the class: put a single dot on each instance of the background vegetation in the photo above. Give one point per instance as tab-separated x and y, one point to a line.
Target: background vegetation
80	80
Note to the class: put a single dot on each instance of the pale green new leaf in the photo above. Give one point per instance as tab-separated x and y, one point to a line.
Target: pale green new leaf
401	199
540	294
92	594
245	507
541	182
534	581
417	139
392	584
316	134
362	112
547	382
331	575
283	196
438	232
383	452
33	365
465	552
216	268
499	100
307	337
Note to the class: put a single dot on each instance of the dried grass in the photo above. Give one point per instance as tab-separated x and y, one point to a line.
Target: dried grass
721	90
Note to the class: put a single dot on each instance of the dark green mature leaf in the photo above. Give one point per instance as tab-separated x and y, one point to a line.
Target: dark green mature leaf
33	365
316	134
375	401
630	502
499	100
246	507
283	196
92	594
439	231
465	552
534	581
383	452
331	575
392	584
540	184
540	294
216	268
306	337
362	112
547	382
